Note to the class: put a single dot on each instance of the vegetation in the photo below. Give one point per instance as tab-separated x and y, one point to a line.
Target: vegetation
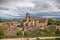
1	20
57	23
57	39
2	32
30	35
48	32
53	22
19	34
57	32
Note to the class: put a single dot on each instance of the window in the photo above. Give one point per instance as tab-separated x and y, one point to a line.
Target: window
26	24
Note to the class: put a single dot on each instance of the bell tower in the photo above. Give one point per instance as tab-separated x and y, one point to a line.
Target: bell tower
28	17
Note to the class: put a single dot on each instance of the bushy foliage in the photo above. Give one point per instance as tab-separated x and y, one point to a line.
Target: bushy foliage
2	32
57	39
57	32
48	32
53	22
1	20
19	34
57	23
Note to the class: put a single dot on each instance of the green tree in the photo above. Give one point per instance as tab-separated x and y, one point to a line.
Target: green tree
51	22
57	23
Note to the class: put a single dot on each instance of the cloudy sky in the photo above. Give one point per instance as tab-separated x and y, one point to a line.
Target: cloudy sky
18	8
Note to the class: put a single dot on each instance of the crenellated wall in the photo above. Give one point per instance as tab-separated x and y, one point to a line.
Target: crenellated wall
34	21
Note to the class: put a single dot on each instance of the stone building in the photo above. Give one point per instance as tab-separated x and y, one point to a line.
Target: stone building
33	22
27	24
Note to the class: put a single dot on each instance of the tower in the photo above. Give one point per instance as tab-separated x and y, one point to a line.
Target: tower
28	17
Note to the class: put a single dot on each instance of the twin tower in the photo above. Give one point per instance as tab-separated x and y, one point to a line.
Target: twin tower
35	22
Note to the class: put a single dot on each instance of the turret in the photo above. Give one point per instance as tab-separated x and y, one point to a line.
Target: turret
28	17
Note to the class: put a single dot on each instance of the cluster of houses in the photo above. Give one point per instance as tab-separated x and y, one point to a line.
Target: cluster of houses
28	24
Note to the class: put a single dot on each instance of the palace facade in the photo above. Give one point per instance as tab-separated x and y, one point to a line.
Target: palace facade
33	22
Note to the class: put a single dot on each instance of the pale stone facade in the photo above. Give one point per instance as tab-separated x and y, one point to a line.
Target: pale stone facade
27	24
31	22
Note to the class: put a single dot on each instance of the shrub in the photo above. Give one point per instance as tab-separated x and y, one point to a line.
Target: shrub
57	39
19	34
51	22
57	23
2	32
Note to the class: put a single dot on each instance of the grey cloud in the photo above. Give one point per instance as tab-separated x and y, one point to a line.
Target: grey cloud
41	6
7	1
58	1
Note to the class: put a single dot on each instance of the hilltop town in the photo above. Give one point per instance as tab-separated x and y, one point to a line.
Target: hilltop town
29	25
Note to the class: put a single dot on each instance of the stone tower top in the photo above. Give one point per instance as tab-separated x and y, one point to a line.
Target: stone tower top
28	16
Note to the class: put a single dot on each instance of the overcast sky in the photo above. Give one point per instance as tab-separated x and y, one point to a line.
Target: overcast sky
17	7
